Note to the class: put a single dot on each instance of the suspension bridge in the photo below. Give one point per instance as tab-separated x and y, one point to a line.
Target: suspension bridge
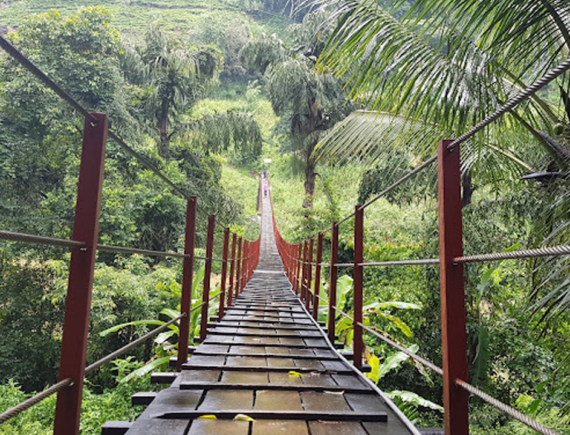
264	364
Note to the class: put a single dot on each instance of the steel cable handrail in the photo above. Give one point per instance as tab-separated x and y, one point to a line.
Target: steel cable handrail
49	83
32	238
26	404
134	343
507	107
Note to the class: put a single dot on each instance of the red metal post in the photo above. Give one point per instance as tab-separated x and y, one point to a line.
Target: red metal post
232	269
81	270
187	278
304	271
332	282
224	273
358	347
308	295
316	300
453	335
298	269
245	253
207	276
238	268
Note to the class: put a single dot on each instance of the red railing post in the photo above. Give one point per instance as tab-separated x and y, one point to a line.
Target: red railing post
316	301
232	269
224	273
187	278
238	268
304	271
246	263
333	274
453	335
81	271
298	269
308	298
358	347
244	254
207	276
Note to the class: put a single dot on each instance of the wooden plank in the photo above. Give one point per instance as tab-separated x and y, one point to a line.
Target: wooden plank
276	415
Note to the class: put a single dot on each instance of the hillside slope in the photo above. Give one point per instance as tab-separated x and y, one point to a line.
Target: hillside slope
133	15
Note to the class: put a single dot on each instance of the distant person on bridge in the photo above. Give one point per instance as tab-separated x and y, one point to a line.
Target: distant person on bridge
265	188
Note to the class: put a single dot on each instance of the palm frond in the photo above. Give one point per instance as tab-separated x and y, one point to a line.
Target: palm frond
219	131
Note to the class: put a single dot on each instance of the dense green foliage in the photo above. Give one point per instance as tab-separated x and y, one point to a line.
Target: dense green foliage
208	92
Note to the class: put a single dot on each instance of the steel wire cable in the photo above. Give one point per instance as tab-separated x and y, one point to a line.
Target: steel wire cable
525	419
41	76
148	252
524	253
533	424
21	407
134	343
401	348
507	107
514	102
423	262
49	83
32	238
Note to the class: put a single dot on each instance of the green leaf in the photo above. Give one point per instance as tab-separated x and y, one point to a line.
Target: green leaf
135	323
392	304
399	323
162	337
173	314
413	398
147	368
394	361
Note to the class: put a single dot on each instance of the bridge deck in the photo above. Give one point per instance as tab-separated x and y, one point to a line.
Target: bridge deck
268	359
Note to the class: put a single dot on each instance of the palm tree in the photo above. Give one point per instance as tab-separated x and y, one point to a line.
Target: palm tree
311	102
437	70
174	75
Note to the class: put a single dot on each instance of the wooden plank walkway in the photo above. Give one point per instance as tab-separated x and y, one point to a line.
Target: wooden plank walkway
268	359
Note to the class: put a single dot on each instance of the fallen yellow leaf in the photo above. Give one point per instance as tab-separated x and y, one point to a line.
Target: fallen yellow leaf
297	374
208	417
243	417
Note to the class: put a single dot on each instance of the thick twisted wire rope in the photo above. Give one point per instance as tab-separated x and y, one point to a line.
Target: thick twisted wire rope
507	107
533	424
31	238
134	343
524	253
21	407
517	415
49	83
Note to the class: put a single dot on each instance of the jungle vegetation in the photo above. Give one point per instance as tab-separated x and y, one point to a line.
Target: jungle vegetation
345	97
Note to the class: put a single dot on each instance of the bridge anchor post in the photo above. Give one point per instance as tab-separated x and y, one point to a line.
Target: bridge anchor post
187	278
453	335
81	272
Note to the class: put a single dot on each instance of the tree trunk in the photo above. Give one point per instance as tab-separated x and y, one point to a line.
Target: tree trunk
163	128
309	182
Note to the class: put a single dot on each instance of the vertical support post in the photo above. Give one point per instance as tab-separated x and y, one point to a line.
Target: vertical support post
304	271
298	269
333	274
207	276
245	253
81	271
232	269
453	335
224	273
316	301
187	277
358	284
238	268
308	295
